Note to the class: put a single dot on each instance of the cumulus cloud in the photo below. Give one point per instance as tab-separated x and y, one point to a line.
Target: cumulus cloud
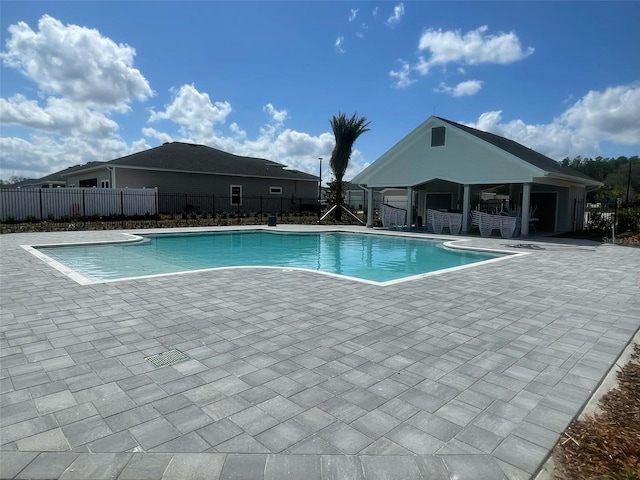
609	116
193	111
81	78
466	88
59	117
472	48
402	77
613	115
338	45
277	116
77	63
353	14
40	154
298	150
398	12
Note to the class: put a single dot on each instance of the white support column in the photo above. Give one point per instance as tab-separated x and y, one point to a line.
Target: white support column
409	207
370	208
422	210
526	202
112	175
466	208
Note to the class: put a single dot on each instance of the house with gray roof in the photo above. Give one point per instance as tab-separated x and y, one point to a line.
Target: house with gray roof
446	166
179	168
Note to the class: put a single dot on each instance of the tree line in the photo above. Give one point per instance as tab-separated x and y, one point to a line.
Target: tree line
616	173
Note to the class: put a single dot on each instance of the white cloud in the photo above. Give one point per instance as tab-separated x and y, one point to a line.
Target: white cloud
360	33
609	116
43	154
353	14
338	45
375	12
466	88
237	132
59	117
77	63
473	48
194	111
298	150
612	115
81	77
278	116
402	77
153	133
398	12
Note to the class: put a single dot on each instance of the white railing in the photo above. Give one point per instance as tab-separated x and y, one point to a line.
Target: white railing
58	203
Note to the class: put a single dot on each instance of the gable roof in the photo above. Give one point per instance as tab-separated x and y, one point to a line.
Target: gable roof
53	178
189	157
397	167
527	154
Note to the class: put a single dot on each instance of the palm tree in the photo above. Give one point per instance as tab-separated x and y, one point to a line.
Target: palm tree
346	131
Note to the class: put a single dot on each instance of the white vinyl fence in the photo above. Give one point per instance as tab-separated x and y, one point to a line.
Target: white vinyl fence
59	203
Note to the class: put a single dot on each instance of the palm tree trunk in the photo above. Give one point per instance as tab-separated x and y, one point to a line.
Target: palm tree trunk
338	211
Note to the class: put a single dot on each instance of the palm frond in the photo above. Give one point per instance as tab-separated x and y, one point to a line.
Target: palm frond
346	131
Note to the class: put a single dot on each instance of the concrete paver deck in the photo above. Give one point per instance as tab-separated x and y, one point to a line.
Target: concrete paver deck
472	374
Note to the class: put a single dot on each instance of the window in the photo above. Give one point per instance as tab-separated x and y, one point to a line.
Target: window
275	190
236	194
91	182
437	136
104	184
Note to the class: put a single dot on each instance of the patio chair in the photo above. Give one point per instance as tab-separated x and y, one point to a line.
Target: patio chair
435	220
533	219
454	223
508	226
485	222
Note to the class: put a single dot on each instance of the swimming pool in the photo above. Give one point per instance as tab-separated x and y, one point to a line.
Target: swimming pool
366	257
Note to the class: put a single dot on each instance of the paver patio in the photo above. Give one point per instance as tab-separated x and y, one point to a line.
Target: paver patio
472	374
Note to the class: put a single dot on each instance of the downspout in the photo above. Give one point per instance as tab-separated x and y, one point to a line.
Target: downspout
112	176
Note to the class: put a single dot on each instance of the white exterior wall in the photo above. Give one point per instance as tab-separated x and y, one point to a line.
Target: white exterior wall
461	159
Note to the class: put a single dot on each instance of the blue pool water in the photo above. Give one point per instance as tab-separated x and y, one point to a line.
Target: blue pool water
378	258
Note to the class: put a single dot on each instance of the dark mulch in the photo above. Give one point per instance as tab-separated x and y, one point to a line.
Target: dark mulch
606	445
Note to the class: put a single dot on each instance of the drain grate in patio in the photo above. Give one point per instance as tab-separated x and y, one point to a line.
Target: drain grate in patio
167	358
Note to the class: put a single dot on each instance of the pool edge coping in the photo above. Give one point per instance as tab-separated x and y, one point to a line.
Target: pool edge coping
447	242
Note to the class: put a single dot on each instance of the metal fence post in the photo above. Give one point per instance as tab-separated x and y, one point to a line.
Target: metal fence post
213	209
122	206
41	211
84	209
281	212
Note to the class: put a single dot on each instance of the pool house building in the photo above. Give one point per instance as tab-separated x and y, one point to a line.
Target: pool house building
445	168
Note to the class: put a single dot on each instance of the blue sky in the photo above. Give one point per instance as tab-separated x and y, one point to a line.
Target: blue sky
85	81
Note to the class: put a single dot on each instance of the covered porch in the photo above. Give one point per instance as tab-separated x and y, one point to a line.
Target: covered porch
448	176
441	206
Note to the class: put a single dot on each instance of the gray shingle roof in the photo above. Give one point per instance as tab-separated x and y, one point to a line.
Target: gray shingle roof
56	177
189	157
524	153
